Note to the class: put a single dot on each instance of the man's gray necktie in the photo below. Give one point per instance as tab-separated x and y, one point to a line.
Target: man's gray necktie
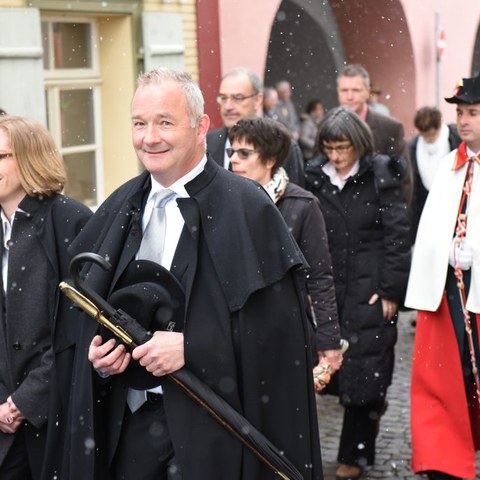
151	248
153	241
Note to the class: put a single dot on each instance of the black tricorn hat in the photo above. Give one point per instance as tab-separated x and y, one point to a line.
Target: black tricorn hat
151	295
466	91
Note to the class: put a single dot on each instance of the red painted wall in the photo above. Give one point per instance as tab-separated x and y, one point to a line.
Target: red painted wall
208	34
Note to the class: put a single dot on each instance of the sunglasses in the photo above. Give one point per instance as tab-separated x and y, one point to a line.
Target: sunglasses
243	153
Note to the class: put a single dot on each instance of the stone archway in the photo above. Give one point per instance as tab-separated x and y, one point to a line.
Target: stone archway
376	35
305	49
310	41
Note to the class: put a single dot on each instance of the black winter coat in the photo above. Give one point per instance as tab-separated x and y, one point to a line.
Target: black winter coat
302	214
37	330
368	234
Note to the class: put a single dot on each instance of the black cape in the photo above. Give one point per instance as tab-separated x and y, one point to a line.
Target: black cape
245	328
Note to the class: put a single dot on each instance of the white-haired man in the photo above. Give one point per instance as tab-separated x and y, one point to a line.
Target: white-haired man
243	321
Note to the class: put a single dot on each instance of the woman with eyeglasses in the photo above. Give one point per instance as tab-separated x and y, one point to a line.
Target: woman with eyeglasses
38	224
365	212
259	148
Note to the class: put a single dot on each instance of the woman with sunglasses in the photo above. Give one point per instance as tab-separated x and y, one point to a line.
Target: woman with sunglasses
365	212
259	148
38	224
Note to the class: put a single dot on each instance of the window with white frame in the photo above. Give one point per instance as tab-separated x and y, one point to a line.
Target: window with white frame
72	86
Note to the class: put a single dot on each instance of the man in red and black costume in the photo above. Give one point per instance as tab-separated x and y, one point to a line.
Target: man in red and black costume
444	287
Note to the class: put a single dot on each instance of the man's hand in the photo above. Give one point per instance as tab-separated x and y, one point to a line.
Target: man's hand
389	307
10	417
162	354
106	358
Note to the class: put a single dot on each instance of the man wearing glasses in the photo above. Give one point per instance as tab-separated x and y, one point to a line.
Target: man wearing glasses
353	91
240	98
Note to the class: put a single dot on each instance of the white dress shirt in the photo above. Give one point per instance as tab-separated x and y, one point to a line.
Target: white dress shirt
335	178
226	158
174	219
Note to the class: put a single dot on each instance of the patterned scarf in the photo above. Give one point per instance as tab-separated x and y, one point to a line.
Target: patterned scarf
277	185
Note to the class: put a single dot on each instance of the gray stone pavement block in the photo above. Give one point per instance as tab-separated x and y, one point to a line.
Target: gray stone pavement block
393	452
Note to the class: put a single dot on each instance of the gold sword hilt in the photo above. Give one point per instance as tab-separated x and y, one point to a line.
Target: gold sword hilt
93	311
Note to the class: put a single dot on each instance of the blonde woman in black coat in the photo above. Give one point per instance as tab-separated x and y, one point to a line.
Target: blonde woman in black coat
259	148
365	212
38	224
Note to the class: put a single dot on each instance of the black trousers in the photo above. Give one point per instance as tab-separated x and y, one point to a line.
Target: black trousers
16	465
359	432
145	450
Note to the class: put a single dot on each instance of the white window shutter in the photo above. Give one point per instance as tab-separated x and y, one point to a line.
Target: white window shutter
163	41
21	63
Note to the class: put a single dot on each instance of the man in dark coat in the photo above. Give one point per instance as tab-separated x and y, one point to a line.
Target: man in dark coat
433	142
241	98
245	330
285	109
353	90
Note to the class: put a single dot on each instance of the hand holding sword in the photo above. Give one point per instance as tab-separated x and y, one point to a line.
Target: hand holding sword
134	335
161	355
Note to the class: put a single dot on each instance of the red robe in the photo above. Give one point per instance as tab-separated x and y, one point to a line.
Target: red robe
442	437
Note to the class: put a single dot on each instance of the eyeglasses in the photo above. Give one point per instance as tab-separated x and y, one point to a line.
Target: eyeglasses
5	155
339	149
237	98
243	153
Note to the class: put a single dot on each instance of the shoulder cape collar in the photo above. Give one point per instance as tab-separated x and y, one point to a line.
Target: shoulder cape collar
462	157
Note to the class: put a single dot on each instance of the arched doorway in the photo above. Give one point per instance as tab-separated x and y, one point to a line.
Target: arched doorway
310	41
305	49
376	35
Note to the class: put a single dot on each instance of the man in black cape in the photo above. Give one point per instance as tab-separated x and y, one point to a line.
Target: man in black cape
245	333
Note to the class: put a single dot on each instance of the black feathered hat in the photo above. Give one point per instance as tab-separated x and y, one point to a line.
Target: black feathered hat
466	91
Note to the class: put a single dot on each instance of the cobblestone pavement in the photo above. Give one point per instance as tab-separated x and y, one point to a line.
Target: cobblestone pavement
393	451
